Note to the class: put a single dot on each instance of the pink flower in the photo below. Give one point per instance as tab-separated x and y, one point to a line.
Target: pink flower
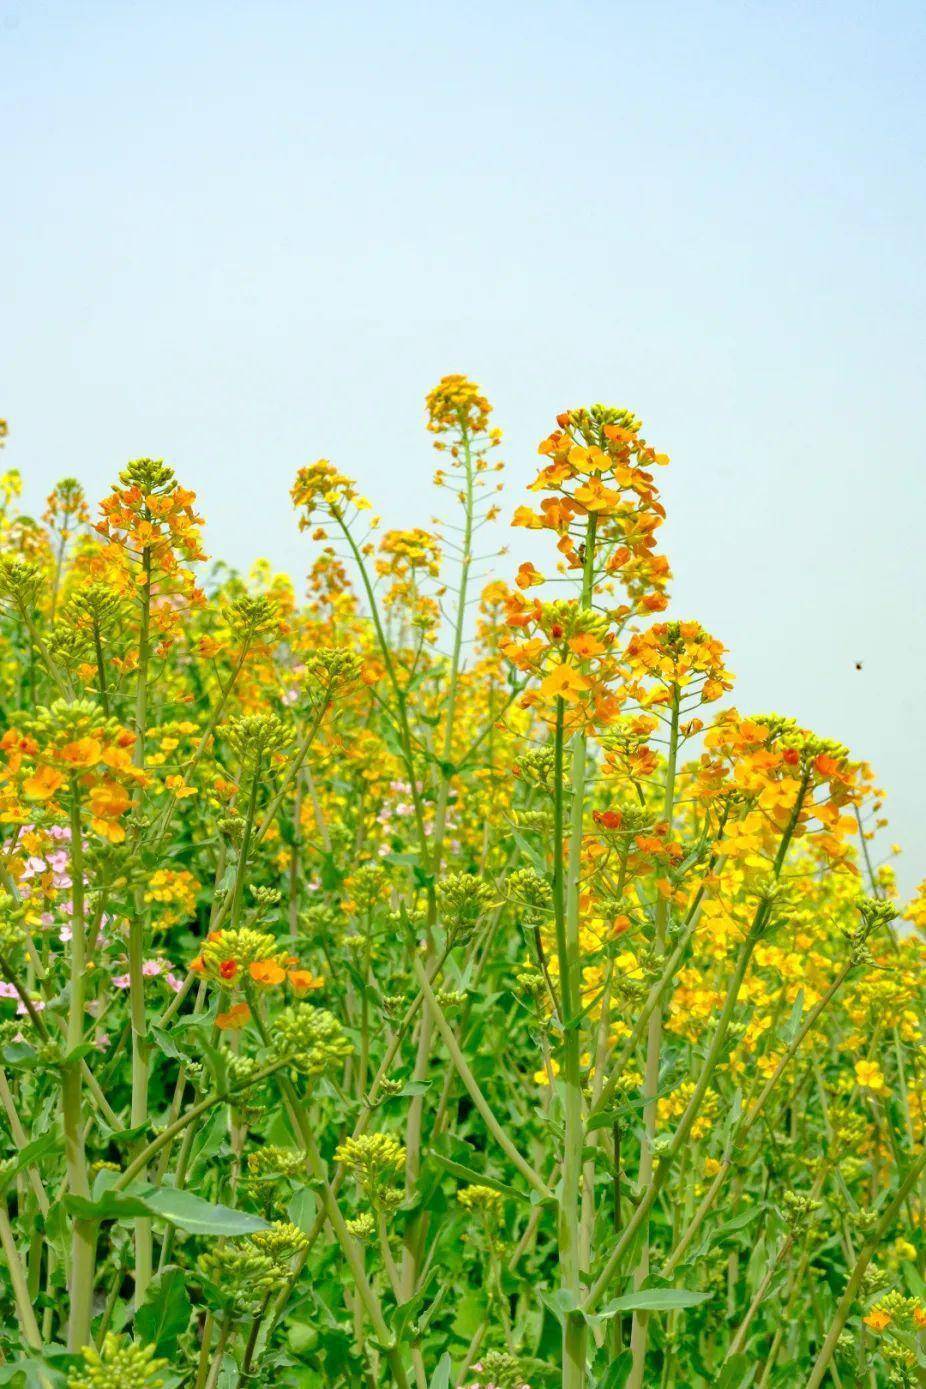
174	983
7	990
122	981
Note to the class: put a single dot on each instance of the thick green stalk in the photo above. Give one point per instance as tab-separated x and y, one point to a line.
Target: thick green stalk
140	1053
575	1331
443	795
638	1332
83	1233
416	1232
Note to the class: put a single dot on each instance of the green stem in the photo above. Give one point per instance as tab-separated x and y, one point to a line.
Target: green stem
83	1232
17	1276
136	951
639	1326
472	1086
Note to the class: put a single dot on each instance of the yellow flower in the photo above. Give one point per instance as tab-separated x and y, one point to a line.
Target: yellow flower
869	1076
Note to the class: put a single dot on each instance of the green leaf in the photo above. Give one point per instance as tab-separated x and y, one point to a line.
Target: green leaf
615	1376
654	1300
441	1376
209	1140
29	1155
165	1313
303	1209
469	1174
793	1025
199	1217
560	1302
181	1208
738	1373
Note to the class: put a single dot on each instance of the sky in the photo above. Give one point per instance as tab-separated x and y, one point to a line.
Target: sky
243	235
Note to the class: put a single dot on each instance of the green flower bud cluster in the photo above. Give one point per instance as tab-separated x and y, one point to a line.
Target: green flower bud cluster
375	1160
536	821
272	1164
241	1274
281	1242
484	1199
252	614
97	605
118	1364
500	1369
70	719
787	733
565	618
69	645
589	421
798	1211
150	475
531	982
531	893
20	580
537	767
256	737
362	1227
393	1005
464	900
449	999
367	886
312	1036
333	668
265	899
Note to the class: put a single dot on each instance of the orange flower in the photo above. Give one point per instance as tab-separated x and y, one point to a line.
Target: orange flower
109	800
564	682
179	787
83	752
585	645
43	784
528	576
228	969
266	972
877	1319
303	980
234	1019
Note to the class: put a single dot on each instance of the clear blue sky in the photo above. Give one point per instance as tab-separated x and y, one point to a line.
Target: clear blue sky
240	235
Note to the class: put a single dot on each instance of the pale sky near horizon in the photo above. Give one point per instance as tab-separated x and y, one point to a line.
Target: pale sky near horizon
242	235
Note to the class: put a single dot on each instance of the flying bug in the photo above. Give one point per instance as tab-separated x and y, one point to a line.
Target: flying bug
858	665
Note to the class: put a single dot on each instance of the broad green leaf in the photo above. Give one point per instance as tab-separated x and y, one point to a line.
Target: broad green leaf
303	1209
441	1376
29	1155
738	1373
615	1376
199	1217
165	1312
181	1208
654	1300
